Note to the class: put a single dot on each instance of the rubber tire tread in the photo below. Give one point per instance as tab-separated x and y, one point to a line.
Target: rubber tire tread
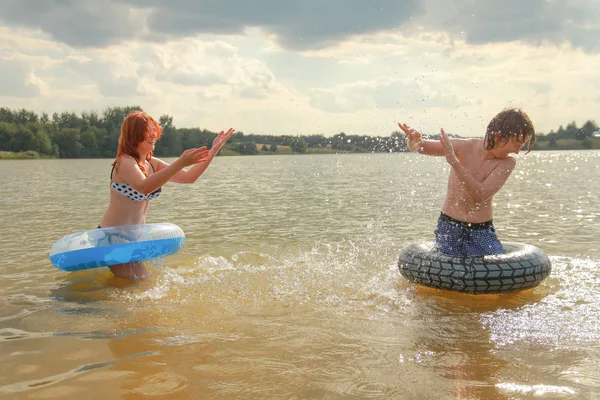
522	266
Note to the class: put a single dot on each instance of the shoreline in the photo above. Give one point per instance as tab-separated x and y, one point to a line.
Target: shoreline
33	155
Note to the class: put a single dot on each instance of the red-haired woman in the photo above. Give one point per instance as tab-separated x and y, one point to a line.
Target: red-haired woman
137	177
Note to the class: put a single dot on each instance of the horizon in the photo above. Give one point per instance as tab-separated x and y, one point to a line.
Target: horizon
426	134
273	69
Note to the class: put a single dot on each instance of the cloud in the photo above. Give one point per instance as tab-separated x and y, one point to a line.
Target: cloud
385	93
215	67
18	79
308	24
433	64
297	25
78	23
534	21
113	75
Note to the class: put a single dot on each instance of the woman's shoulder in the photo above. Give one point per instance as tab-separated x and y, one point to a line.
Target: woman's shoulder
126	158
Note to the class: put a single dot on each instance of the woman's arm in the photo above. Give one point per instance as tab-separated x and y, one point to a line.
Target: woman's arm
130	172
183	176
192	175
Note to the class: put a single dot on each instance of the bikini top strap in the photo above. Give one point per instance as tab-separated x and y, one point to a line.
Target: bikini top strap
115	164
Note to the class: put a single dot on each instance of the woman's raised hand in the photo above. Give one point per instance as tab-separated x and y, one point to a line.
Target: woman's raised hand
220	140
415	142
194	156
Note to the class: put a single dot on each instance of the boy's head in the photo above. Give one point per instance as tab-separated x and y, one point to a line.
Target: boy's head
510	123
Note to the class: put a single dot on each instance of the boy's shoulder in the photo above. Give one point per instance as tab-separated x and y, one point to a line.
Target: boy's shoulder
469	141
467	145
509	160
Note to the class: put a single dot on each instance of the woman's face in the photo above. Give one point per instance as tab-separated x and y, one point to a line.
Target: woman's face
150	140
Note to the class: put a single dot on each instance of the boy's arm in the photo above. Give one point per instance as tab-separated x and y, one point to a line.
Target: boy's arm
479	191
431	148
428	147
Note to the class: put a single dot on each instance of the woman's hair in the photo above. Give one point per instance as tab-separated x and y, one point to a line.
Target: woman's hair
135	129
510	122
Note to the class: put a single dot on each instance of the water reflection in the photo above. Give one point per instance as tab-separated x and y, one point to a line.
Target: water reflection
291	291
452	340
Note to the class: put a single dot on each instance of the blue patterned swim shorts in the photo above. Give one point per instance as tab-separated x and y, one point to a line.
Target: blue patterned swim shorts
459	238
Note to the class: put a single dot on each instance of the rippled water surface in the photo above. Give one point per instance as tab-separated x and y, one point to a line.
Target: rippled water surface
288	288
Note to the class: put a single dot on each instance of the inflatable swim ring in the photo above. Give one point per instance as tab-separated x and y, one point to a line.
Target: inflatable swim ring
521	266
116	245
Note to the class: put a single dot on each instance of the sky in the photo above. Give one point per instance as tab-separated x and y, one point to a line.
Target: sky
306	67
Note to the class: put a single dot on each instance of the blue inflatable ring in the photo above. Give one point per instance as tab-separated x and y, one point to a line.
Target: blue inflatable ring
104	247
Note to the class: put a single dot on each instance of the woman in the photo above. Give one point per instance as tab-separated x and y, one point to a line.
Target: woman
137	177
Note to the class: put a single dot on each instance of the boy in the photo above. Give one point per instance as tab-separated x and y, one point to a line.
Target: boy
479	168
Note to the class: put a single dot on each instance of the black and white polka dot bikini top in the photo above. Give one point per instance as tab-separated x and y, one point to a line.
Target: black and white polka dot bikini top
131	193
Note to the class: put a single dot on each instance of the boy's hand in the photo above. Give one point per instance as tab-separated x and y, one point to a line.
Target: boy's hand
415	142
448	148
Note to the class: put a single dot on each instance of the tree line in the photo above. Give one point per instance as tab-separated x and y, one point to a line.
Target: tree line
95	135
586	133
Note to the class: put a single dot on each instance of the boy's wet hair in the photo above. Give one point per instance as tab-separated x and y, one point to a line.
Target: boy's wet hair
510	122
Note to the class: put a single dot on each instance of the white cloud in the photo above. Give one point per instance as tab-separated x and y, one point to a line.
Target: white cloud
18	79
422	72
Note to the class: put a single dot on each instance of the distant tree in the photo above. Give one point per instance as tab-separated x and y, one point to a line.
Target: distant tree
571	132
89	119
273	147
341	142
246	148
89	142
7	115
42	142
45	119
24	116
238	137
316	141
589	128
69	144
23	140
166	122
397	142
264	148
298	145
166	146
8	130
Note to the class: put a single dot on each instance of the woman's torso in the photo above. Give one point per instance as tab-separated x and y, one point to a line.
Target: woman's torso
122	209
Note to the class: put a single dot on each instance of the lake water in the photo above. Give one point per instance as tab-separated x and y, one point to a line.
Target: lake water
287	286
